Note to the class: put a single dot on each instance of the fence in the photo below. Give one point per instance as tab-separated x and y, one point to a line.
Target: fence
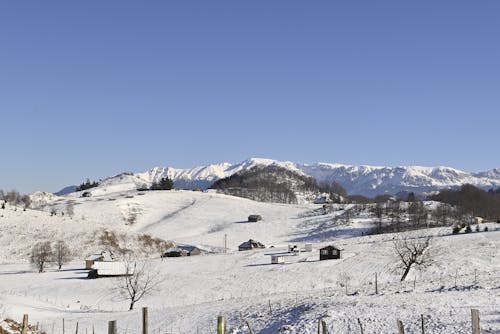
222	325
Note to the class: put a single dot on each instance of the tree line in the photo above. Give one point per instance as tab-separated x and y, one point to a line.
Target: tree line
274	184
472	200
87	185
13	197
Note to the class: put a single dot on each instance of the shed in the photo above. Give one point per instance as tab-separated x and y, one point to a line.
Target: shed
110	269
254	218
105	255
277	259
179	251
308	247
250	244
329	252
293	249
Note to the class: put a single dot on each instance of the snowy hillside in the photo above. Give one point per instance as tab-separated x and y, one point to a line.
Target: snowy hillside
240	285
364	180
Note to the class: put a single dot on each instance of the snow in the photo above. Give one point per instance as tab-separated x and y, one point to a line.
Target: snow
365	180
194	290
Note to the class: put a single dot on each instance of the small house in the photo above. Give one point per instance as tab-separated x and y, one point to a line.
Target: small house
110	269
308	248
105	255
250	244
254	218
329	252
293	249
277	259
182	251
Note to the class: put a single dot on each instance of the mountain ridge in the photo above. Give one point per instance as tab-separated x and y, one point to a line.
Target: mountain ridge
356	179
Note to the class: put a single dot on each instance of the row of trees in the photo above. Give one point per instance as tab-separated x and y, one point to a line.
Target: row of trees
275	184
13	197
87	185
45	252
473	200
165	183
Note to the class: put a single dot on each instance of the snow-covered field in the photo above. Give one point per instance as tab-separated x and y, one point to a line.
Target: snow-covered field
242	285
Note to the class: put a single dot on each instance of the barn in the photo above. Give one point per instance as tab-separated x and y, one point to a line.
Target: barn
329	252
110	269
179	251
105	255
250	244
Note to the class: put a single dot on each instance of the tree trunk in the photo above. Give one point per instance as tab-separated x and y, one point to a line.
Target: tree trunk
132	302
407	270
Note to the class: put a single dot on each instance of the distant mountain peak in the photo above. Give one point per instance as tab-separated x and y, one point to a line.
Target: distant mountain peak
356	179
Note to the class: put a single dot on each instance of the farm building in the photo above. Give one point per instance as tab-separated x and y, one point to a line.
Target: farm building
250	244
105	255
277	259
293	249
254	218
182	251
109	269
308	248
329	252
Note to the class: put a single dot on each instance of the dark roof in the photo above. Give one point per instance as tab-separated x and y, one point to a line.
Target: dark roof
330	247
252	244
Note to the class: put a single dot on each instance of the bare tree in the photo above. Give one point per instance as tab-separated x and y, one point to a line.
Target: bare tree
378	210
62	253
41	253
70	210
411	250
140	280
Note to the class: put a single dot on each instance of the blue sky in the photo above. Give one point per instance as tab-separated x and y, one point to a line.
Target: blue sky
94	88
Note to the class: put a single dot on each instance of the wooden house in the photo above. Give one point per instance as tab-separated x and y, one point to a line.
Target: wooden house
110	269
250	244
329	252
104	255
179	251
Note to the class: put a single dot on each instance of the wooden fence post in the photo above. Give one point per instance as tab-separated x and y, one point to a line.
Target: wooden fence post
361	326
319	326
76	332
422	323
112	327
249	328
323	324
401	329
376	284
25	324
63	326
475	321
221	325
145	321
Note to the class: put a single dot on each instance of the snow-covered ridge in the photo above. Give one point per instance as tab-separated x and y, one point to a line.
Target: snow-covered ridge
364	180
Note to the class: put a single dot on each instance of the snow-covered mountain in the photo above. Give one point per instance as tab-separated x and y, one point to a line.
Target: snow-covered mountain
363	180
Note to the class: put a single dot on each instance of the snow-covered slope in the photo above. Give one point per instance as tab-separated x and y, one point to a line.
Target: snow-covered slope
370	180
363	180
196	289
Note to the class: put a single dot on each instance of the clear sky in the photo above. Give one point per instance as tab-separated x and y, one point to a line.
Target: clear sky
94	88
